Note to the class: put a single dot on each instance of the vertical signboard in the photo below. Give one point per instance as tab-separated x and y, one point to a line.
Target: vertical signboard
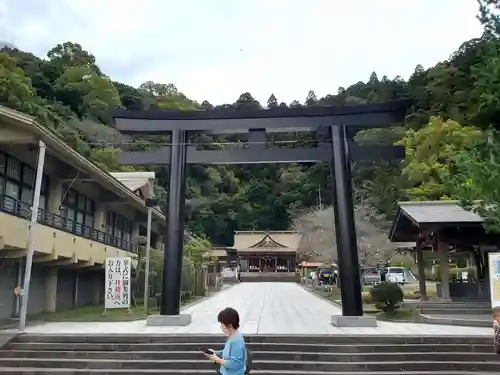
117	286
494	262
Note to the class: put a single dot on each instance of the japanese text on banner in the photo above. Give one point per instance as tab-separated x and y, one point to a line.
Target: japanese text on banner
117	282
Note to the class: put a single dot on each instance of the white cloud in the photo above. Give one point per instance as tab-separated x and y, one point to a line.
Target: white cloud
217	49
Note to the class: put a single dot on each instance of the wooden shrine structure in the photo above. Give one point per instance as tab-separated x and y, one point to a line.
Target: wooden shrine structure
266	252
447	229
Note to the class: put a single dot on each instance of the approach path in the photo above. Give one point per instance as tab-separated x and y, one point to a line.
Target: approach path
265	308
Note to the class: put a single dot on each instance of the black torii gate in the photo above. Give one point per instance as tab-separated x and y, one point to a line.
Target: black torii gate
335	127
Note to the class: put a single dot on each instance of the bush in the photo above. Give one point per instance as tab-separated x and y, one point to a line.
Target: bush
387	297
366	297
186	296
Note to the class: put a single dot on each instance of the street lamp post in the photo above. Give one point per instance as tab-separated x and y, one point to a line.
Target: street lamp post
31	236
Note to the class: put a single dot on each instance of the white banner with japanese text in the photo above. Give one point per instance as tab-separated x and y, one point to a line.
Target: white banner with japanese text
117	288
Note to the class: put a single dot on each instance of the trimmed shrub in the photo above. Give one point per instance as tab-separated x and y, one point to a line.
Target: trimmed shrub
387	297
366	297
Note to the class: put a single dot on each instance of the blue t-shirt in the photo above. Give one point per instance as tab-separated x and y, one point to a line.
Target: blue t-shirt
233	354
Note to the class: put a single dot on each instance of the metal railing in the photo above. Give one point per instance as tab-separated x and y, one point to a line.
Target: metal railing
21	209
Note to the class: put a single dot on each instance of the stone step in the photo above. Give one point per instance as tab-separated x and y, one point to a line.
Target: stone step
458	320
63	371
202	340
257	356
267	365
280	347
459	312
482	304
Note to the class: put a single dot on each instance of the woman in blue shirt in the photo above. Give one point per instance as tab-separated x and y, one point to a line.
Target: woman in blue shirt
232	358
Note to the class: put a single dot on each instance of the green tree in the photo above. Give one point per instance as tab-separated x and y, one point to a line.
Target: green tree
86	92
133	99
272	102
429	157
71	54
15	87
489	16
105	158
17	93
311	99
247	102
295	104
484	97
168	96
207	106
476	179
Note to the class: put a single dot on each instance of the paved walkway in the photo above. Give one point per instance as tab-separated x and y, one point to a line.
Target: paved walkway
265	308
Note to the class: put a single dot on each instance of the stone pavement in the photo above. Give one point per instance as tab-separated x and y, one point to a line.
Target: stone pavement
265	308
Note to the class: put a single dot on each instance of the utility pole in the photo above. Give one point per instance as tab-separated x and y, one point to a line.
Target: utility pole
149	205
320	203
31	236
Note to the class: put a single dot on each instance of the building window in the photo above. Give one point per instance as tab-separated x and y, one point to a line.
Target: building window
17	182
14	169
119	227
28	176
3	163
78	212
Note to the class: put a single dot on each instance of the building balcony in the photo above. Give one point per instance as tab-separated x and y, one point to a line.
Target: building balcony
56	239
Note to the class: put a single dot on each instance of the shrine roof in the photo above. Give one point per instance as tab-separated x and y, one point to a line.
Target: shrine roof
413	217
258	241
267	250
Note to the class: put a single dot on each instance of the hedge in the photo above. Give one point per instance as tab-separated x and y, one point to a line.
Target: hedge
412	294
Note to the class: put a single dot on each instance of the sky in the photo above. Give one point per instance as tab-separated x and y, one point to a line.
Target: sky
218	49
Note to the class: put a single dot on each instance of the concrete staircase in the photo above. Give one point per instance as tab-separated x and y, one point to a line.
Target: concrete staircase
476	314
457	308
284	355
269	277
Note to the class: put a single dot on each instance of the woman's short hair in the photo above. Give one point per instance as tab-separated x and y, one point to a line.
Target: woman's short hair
229	317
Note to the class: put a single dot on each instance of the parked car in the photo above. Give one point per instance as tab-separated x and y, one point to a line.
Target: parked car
325	276
396	275
370	276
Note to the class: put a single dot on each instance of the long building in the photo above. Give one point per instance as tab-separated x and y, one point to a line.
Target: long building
85	215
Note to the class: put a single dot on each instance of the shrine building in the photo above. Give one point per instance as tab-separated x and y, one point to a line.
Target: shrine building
262	255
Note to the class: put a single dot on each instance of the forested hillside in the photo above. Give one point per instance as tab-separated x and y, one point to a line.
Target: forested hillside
452	149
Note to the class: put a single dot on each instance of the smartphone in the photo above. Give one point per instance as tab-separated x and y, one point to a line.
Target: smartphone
208	351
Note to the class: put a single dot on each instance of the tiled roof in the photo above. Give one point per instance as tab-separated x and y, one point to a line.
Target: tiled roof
438	212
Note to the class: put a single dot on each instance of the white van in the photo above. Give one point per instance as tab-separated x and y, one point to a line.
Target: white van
396	275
